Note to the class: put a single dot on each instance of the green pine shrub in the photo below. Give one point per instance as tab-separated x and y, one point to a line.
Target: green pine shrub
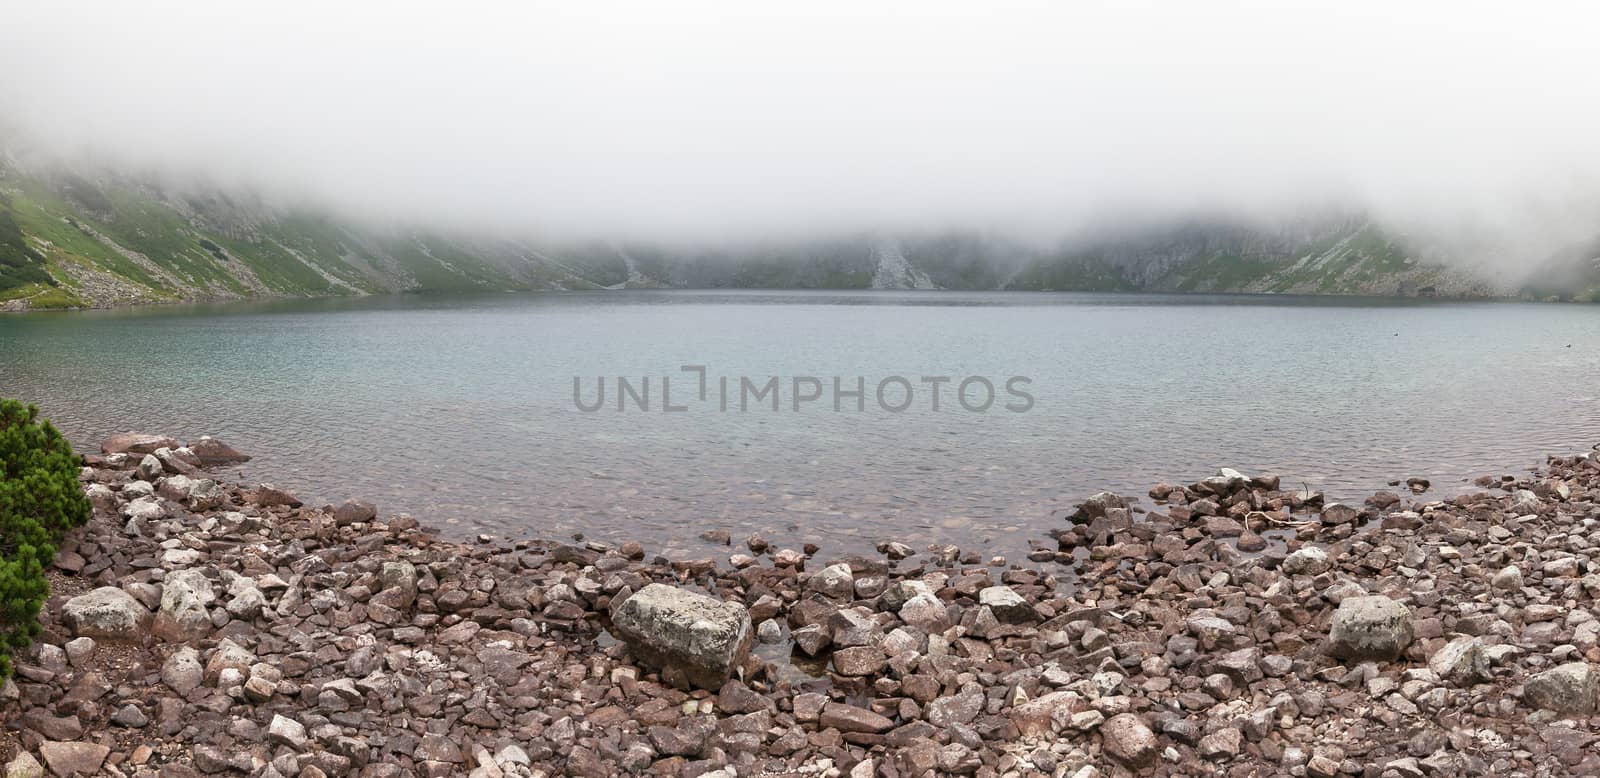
40	500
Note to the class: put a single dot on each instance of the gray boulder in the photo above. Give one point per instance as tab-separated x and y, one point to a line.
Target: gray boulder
835	581
901	592
1570	688
107	613
1373	627
149	468
1308	560
183	615
182	671
692	639
399	581
1461	660
1007	605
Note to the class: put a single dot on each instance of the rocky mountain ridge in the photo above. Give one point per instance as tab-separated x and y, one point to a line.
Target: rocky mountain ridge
98	238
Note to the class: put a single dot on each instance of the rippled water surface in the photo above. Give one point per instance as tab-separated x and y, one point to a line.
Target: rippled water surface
461	411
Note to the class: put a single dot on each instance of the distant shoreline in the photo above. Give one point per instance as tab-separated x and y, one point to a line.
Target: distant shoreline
8	307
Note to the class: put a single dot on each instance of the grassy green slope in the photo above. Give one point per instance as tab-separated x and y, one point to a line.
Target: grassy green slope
134	243
20	264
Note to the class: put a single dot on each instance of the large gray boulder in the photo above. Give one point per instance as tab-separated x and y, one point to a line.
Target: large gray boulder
149	468
1308	560
107	613
1007	605
183	615
1373	627
694	640
1570	688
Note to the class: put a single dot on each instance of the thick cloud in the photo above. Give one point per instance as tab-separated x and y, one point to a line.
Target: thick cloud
724	119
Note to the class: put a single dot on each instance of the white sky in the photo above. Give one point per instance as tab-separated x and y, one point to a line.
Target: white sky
746	118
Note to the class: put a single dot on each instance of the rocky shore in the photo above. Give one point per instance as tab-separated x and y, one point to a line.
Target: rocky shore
1224	627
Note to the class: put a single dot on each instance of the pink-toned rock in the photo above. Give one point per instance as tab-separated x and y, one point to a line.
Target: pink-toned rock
849	718
1046	715
73	758
214	452
352	511
267	496
136	443
1128	740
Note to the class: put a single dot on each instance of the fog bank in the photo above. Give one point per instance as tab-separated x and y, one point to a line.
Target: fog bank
715	121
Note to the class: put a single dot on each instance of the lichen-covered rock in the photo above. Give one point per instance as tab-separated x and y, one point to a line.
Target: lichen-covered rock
1309	560
107	613
1570	688
834	581
1461	660
1007	605
692	639
24	766
183	615
1373	627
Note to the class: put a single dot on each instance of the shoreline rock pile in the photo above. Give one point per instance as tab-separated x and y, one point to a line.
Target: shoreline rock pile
198	627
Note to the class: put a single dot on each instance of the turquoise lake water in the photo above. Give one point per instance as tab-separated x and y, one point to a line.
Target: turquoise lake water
461	410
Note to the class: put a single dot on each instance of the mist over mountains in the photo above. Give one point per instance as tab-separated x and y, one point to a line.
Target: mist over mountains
175	152
75	236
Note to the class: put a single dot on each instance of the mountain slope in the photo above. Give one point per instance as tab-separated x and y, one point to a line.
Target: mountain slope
69	240
1340	256
76	238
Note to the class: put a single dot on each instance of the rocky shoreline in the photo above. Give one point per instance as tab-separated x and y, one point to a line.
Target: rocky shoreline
1223	627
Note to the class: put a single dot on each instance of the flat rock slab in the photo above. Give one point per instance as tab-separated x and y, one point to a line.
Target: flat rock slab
136	443
694	640
850	718
66	759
